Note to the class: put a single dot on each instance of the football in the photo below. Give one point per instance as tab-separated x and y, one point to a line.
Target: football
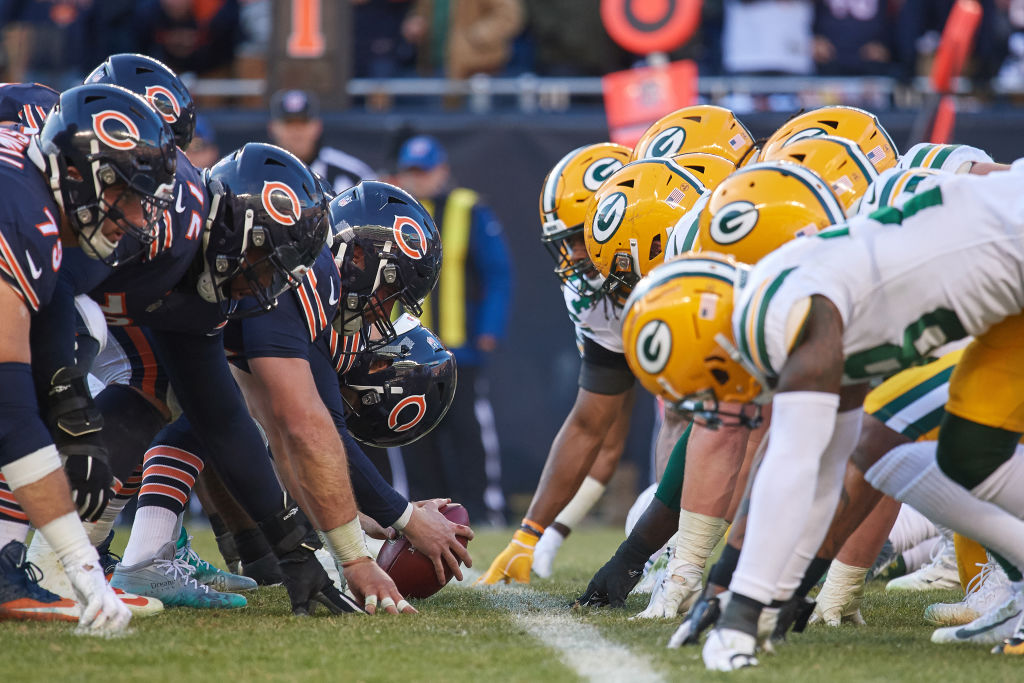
411	570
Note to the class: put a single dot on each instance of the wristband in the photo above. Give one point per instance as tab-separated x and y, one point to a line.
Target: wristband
400	523
531	527
347	542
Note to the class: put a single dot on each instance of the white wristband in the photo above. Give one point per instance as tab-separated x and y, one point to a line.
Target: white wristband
400	523
347	542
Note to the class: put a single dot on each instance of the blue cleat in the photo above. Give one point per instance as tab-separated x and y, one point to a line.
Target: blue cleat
21	596
169	578
205	573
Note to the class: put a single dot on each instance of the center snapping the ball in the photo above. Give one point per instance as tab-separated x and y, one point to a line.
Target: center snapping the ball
411	570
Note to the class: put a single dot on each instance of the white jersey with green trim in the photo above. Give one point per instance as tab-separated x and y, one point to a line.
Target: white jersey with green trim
950	158
595	317
895	186
685	231
951	264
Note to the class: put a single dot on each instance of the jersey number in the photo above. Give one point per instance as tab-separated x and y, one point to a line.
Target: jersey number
920	339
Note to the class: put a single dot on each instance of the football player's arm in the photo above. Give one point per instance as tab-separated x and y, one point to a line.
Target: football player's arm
491	258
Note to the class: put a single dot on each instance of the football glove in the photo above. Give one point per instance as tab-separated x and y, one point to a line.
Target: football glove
103	613
514	562
839	600
613	582
677	592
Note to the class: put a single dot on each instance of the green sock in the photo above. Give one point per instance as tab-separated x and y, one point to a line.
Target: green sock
670	488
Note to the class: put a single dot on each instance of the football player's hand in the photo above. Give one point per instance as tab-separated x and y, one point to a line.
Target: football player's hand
678	590
435	536
92	483
619	575
514	562
374	530
374	588
103	613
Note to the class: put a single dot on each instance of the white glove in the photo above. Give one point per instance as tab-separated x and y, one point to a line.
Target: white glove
840	598
678	590
103	613
729	650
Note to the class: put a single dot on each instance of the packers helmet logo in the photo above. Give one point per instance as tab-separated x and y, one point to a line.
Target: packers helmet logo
654	346
608	216
667	143
164	102
804	134
115	129
733	222
599	171
281	202
418	403
410	237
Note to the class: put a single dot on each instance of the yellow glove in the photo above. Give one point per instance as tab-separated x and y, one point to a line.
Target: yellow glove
514	562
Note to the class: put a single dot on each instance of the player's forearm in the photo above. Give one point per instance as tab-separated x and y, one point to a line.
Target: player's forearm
572	454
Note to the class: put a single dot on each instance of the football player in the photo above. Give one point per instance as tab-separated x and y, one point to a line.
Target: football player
93	202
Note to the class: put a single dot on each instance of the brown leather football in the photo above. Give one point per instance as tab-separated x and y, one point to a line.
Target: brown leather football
411	570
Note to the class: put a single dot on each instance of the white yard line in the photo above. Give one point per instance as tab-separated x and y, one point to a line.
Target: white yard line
580	646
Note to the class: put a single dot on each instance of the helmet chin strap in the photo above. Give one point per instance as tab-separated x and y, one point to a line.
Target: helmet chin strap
204	284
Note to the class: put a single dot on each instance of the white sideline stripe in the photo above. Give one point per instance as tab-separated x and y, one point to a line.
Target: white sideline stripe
580	646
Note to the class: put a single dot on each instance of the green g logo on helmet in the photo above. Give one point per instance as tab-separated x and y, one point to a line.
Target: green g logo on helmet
667	143
599	171
608	216
733	222
654	346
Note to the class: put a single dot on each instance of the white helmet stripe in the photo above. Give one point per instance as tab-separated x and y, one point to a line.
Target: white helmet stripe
551	186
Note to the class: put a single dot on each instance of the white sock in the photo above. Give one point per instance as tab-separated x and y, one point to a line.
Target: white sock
826	497
946	502
586	497
12	531
68	539
916	557
698	535
1005	486
154	526
911	529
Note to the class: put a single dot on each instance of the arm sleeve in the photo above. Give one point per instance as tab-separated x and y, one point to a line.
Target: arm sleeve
490	254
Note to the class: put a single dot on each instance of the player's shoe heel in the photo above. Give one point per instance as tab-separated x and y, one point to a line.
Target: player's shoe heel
21	596
205	573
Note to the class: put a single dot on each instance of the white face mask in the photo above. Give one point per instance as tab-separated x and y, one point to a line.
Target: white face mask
97	247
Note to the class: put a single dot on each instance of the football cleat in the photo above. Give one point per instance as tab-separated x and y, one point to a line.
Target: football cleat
264	571
988	588
729	650
702	616
940	573
21	596
205	573
55	579
990	628
169	578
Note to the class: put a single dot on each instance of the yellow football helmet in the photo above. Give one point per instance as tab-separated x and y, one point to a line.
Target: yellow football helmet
761	207
709	169
677	336
564	199
700	128
856	125
628	224
838	161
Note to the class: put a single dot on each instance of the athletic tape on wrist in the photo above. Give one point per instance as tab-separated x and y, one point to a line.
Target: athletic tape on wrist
586	496
347	542
30	468
67	537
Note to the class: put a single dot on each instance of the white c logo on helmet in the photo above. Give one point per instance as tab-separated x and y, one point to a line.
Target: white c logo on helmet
804	134
419	401
733	222
654	346
667	143
608	216
599	171
113	137
272	188
152	91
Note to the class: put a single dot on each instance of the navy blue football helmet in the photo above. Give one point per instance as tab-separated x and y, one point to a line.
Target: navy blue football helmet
398	393
387	249
268	222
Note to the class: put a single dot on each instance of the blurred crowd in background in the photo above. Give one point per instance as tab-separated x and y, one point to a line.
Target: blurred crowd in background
58	41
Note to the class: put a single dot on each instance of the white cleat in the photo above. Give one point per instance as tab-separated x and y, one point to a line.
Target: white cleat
545	551
729	650
988	588
990	628
679	588
940	573
55	580
331	567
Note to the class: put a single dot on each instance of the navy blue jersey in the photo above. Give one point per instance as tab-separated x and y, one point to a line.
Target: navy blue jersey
154	290
27	103
30	247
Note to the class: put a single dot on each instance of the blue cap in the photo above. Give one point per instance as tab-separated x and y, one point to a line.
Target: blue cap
422	151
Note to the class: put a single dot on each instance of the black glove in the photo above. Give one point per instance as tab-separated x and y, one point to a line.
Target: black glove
613	582
75	424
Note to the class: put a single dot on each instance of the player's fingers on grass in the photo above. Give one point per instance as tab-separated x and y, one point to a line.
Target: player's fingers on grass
404	607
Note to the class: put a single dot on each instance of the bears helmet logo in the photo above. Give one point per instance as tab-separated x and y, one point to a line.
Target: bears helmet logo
164	102
104	125
416	251
276	191
419	401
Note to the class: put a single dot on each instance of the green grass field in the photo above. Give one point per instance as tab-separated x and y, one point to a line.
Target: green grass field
495	635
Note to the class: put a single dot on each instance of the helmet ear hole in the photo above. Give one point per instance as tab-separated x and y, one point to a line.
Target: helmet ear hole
655	248
720	375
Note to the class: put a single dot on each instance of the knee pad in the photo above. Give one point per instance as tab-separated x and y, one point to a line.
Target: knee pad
900	467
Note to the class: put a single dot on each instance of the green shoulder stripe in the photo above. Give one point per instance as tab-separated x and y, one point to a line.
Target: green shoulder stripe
762	345
919	202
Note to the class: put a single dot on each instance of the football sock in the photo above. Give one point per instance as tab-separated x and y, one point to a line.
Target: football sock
722	570
586	496
154	526
670	488
815	570
916	557
251	545
911	529
698	535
